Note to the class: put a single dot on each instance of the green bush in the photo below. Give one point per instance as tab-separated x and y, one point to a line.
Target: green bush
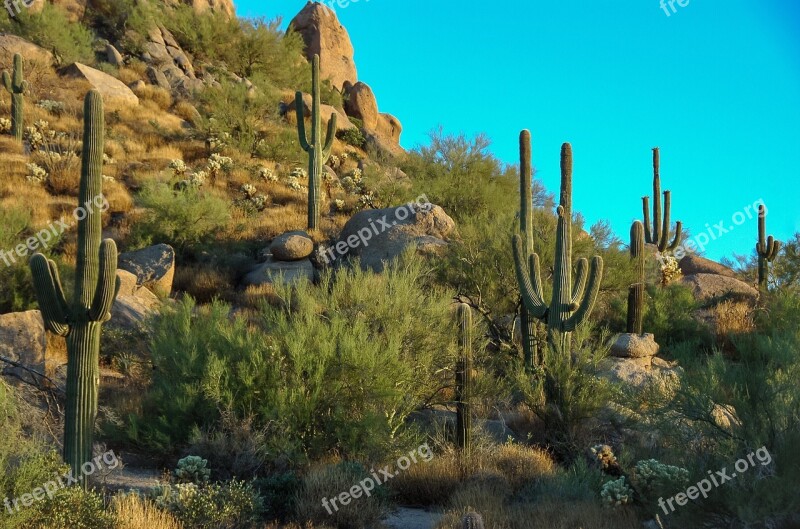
352	137
50	29
183	218
669	316
336	367
228	505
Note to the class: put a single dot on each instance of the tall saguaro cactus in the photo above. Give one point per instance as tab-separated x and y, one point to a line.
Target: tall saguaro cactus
96	286
767	248
659	233
464	381
318	153
527	322
16	86
636	291
571	303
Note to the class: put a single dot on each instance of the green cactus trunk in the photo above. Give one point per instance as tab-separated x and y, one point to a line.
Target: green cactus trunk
527	322
318	153
572	302
767	249
658	233
464	382
96	286
636	291
16	85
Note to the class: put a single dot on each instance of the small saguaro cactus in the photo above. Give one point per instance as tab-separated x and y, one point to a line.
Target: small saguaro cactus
96	287
318	153
472	520
659	233
16	86
767	248
571	303
527	322
636	291
464	381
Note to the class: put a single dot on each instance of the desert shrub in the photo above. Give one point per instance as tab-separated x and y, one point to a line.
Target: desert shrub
16	287
332	368
74	508
227	505
50	29
352	137
279	491
185	218
328	482
669	316
135	512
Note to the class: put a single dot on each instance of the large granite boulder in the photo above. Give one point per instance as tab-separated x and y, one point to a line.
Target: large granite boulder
292	246
22	340
154	267
114	92
694	264
713	288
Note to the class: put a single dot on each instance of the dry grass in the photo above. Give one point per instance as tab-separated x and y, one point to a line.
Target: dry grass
161	97
134	512
205	283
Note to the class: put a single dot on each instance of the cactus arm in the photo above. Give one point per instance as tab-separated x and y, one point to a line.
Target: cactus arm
657	197
590	296
648	234
531	291
7	82
580	282
301	123
50	294
526	199
107	283
678	233
326	150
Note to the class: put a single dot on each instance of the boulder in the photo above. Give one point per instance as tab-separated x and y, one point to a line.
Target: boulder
22	340
379	235
640	373
114	92
157	78
381	130
128	283
273	270
634	346
326	111
11	44
74	9
292	246
154	267
323	35
712	288
113	56
130	311
225	7
694	264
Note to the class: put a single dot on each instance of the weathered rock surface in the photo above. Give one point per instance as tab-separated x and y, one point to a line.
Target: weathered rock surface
323	35
273	271
326	111
713	288
634	346
22	340
380	235
292	246
114	92
169	66
134	303
154	267
113	56
11	44
381	130
694	264
640	373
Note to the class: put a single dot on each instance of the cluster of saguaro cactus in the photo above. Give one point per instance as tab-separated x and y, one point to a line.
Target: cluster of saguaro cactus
659	233
96	286
318	153
16	86
527	322
767	248
636	291
464	381
571	303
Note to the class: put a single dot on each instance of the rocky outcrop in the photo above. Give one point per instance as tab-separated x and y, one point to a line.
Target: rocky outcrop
326	111
634	346
22	340
154	267
323	35
75	9
273	271
169	66
381	130
380	235
11	44
712	288
694	264
134	303
202	6
114	92
292	246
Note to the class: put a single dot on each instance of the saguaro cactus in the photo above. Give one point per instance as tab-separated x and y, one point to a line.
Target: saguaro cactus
464	381
527	322
96	287
571	303
767	248
318	153
636	291
16	86
659	233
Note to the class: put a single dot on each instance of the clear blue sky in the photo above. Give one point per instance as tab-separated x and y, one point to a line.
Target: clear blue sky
716	85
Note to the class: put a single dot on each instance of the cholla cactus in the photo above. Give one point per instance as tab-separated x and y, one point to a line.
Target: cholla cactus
616	493
334	161
605	457
259	202
652	476
193	469
216	164
265	173
178	167
54	107
249	190
299	172
670	271
294	184
39	135
5	125
339	204
37	174
108	160
357	175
